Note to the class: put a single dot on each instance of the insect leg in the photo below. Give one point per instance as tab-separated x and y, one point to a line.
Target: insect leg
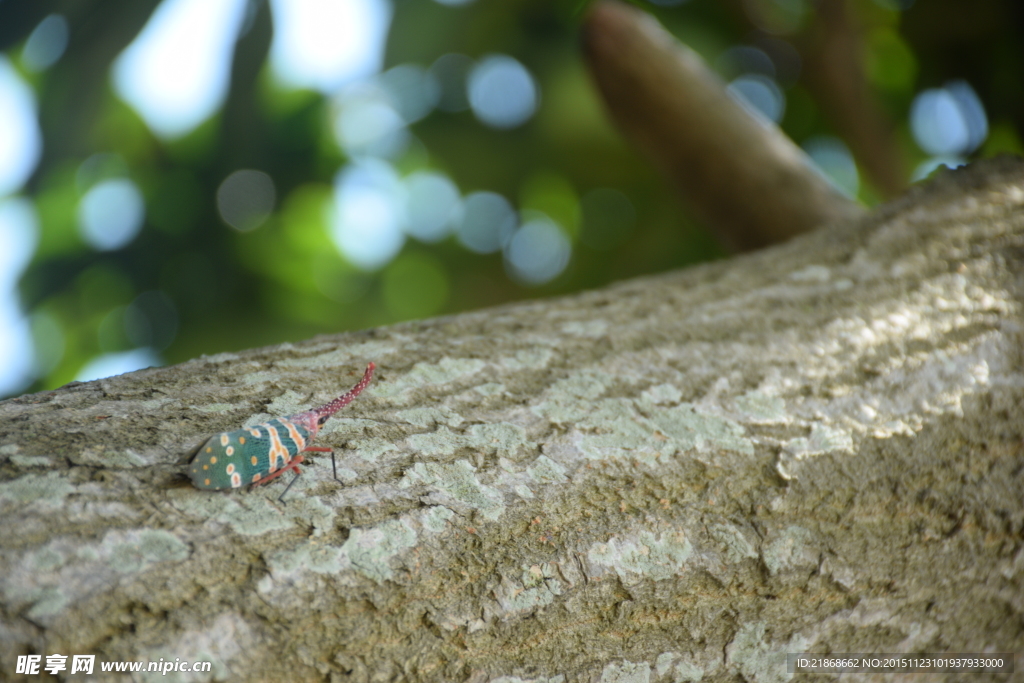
280	499
293	465
334	464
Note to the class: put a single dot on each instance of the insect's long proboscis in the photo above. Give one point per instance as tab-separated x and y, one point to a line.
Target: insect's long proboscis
337	404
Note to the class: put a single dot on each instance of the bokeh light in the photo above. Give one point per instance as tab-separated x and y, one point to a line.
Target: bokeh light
18	236
367	218
761	94
412	90
929	166
502	92
177	70
433	206
833	158
538	252
367	125
488	221
325	44
46	43
20	139
948	123
949	120
245	199
110	364
377	196
16	354
19	233
451	73
110	214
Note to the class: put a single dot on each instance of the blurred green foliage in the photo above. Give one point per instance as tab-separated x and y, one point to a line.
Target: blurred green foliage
189	285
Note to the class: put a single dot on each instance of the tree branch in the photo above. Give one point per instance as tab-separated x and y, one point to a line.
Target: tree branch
666	100
816	447
833	54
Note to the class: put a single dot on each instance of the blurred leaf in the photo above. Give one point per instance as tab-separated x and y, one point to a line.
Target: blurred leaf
889	61
57	204
553	196
285	280
415	285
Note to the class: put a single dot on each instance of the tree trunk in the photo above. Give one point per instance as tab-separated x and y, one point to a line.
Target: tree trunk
815	447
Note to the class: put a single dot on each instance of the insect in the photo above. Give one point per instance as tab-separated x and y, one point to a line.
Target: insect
258	454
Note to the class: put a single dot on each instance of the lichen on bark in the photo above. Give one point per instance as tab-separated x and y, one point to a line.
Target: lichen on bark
680	477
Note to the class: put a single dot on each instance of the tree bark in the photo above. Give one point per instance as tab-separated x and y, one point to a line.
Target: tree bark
815	447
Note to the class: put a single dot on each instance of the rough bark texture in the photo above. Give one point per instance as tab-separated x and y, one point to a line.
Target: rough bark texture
813	447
